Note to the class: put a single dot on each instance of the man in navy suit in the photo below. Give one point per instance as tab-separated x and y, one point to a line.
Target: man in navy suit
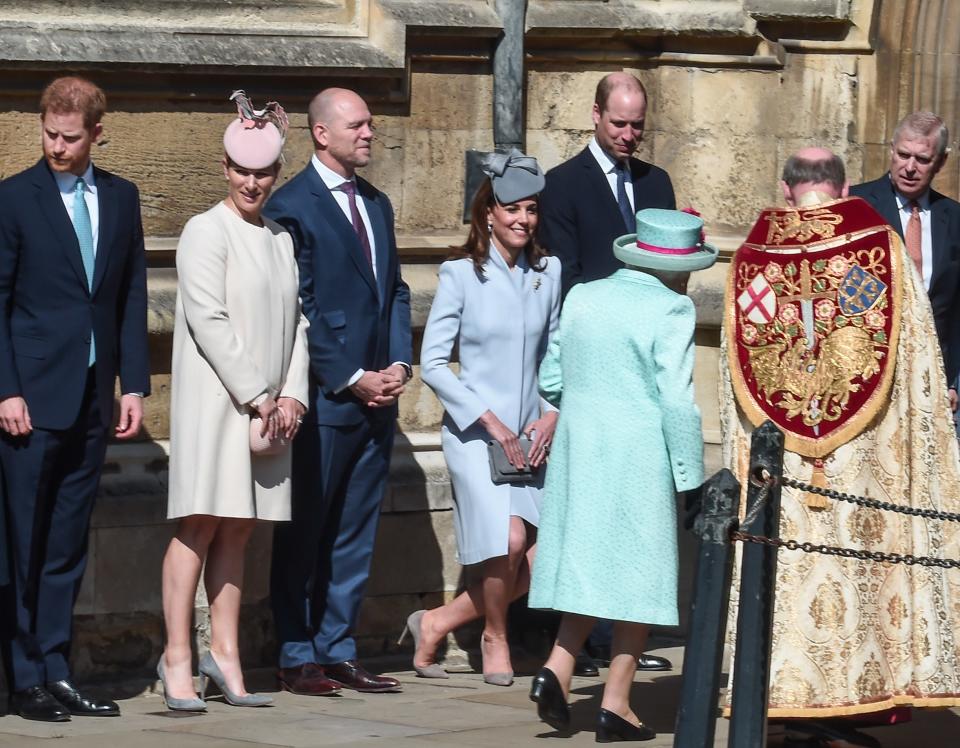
73	314
588	202
927	221
593	198
360	351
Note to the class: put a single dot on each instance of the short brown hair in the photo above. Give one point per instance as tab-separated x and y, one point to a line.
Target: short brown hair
477	246
611	82
74	94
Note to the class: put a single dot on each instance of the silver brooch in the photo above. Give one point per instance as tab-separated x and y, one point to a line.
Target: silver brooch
536	284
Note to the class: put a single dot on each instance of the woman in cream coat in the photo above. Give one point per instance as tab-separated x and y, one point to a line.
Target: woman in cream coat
499	305
239	354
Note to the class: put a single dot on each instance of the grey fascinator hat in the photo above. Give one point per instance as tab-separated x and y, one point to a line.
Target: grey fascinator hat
513	175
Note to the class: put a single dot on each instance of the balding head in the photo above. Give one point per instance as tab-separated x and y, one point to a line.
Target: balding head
814	170
621	83
341	128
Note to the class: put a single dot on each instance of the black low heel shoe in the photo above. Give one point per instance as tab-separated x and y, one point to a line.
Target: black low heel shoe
552	708
612	727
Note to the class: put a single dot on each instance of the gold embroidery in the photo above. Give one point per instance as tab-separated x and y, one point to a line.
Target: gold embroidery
802	226
827	607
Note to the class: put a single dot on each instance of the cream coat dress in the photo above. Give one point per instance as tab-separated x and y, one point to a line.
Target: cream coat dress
239	331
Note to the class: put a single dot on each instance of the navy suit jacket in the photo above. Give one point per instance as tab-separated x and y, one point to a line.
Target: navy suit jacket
356	321
46	309
944	290
580	218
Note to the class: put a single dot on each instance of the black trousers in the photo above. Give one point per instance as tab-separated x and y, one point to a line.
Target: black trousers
50	479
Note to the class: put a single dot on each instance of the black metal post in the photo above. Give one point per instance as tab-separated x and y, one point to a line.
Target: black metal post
697	716
758	573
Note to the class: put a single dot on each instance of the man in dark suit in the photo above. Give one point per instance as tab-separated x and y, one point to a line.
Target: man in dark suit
928	222
588	202
593	198
360	351
73	309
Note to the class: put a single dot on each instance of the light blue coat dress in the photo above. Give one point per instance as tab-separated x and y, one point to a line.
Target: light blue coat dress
502	322
629	437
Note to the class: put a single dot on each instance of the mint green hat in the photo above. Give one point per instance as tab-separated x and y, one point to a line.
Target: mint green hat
666	240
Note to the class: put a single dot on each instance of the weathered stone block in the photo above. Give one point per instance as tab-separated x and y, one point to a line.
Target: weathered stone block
415	553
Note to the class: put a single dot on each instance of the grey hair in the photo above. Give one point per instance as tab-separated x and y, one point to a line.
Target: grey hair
924	123
820	171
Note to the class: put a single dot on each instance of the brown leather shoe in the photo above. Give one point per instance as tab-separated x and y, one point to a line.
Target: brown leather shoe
351	674
307	680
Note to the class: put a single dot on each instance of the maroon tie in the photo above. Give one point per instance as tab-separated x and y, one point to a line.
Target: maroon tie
351	190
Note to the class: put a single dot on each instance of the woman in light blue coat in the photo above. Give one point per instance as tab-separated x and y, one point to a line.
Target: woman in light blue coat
628	439
499	305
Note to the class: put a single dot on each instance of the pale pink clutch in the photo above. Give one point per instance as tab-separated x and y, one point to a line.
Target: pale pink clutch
261	445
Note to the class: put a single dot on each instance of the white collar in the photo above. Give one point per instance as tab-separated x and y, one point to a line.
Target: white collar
328	175
67	182
607	163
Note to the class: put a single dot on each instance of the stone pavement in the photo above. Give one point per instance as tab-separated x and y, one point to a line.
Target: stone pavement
461	711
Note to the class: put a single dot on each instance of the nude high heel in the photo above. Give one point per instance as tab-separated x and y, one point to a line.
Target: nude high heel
414	622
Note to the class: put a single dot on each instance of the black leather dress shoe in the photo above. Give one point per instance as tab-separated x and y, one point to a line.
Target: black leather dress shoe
585	666
652	662
351	674
552	707
612	727
37	703
79	705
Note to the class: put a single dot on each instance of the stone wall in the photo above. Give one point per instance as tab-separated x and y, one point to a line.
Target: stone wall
735	86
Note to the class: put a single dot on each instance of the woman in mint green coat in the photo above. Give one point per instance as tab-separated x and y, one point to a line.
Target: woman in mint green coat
628	439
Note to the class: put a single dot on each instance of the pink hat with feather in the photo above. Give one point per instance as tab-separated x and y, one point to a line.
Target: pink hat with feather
255	139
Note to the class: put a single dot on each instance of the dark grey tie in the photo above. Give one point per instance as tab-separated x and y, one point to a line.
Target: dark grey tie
629	220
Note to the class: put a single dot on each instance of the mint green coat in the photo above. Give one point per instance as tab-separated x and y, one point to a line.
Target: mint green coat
621	371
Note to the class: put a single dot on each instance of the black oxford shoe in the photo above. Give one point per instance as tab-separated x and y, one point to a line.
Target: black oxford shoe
37	703
79	705
650	662
585	666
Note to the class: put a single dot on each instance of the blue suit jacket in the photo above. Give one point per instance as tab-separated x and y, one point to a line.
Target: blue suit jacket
579	216
46	309
356	321
944	290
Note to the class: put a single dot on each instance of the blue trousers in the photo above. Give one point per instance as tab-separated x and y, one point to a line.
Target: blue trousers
321	558
50	480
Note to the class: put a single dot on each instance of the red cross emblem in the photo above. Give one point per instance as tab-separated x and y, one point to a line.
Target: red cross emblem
758	301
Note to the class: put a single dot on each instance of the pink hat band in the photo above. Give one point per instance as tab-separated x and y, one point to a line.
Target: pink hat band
669	250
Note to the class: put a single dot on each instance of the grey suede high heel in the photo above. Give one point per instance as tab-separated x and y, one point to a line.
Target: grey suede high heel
178	705
433	670
209	670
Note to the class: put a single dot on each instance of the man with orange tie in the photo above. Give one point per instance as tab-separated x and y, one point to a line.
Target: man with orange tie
928	222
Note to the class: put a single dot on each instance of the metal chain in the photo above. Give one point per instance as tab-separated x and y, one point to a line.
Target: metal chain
829	550
872	503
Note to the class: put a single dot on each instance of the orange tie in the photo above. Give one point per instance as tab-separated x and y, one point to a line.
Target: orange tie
914	237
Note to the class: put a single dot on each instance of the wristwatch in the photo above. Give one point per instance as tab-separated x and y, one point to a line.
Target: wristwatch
407	369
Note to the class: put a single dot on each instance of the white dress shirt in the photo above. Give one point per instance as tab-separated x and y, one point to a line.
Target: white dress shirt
926	238
334	181
609	167
67	183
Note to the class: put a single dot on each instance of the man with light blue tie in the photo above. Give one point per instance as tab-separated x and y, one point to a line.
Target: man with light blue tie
72	317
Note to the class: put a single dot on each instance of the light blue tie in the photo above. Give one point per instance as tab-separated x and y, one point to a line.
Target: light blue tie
84	229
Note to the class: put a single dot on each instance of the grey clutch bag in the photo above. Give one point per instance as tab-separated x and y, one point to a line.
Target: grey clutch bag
501	471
